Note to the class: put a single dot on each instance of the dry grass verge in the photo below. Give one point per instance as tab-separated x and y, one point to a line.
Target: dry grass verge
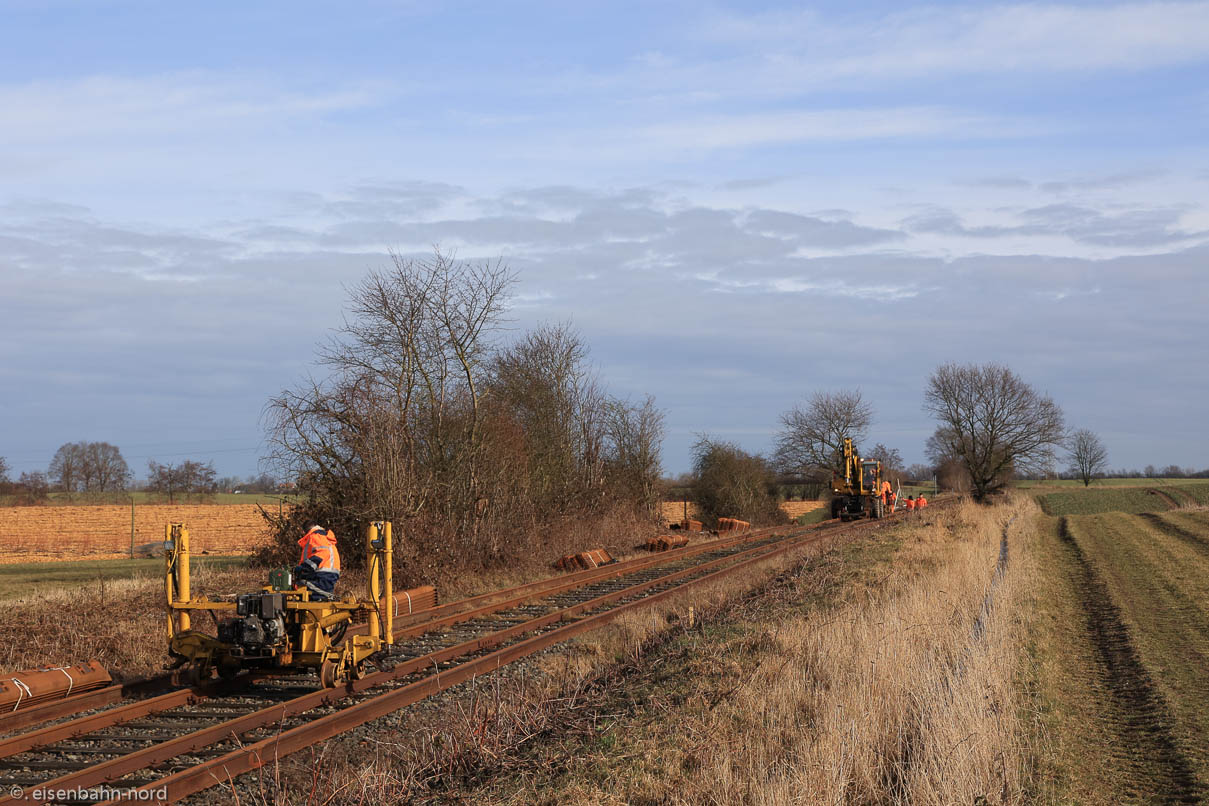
855	677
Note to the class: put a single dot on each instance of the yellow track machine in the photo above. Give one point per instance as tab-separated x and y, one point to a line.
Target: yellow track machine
279	628
856	486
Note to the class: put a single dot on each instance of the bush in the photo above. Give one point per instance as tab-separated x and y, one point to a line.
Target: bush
731	483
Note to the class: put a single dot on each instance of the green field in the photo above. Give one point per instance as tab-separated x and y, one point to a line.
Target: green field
1100	483
24	579
1151	498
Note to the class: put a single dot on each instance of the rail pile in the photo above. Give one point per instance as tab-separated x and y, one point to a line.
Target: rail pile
190	739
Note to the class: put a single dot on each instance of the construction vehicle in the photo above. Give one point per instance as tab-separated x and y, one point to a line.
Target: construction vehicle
856	486
279	628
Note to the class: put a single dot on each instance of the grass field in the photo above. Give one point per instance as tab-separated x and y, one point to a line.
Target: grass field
1121	657
1088	502
21	580
1043	484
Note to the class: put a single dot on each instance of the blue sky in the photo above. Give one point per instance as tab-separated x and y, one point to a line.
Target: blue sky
737	204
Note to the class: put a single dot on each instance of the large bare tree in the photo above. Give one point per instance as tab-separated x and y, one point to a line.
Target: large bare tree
992	421
396	430
813	434
1088	456
480	452
89	467
545	383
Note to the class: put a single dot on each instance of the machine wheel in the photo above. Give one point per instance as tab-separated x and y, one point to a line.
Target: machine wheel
328	673
835	508
876	509
198	673
228	669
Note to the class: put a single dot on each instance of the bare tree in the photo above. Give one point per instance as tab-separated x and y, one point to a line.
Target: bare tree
397	429
545	383
1088	456
89	467
189	478
992	422
732	483
891	459
635	434
31	488
4	468
812	436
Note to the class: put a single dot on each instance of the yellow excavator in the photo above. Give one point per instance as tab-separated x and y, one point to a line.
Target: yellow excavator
856	486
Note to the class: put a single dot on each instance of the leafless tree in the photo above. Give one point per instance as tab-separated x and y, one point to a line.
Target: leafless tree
89	467
188	478
545	383
992	422
811	436
31	488
891	459
732	483
4	468
397	428
1088	456
635	434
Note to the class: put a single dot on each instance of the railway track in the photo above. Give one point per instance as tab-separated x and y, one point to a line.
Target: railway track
187	740
175	692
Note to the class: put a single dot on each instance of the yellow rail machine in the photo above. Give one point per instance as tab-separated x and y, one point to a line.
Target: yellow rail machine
280	627
856	486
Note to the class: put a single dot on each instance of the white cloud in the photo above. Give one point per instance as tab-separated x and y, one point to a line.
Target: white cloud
737	131
95	107
940	39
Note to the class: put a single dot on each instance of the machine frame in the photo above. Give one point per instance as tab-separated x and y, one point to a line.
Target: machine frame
312	634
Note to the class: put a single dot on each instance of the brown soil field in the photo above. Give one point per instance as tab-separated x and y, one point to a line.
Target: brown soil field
796	509
31	534
673	511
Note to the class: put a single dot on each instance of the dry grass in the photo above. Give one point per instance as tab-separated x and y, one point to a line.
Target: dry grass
119	622
854	678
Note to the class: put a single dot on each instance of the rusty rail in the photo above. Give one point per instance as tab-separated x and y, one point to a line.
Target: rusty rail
220	769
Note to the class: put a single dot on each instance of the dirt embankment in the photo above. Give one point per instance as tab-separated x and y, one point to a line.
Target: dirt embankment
69	532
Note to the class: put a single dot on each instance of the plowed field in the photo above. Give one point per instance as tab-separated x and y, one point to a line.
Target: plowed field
71	532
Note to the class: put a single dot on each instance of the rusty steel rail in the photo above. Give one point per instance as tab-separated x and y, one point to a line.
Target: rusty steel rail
222	769
112	770
366	704
421	622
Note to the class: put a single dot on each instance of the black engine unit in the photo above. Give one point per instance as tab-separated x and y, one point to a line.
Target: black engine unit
259	624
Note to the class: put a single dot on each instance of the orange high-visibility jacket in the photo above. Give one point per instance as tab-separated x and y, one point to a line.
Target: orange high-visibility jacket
909	504
921	502
320	543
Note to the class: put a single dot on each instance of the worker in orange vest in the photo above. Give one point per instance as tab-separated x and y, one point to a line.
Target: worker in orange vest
319	567
921	502
910	503
885	494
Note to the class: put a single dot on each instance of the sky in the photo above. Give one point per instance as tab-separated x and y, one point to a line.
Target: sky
738	205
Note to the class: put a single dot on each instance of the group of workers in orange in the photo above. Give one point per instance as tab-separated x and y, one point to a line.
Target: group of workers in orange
911	503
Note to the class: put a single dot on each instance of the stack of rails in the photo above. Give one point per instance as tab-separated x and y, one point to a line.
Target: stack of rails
32	687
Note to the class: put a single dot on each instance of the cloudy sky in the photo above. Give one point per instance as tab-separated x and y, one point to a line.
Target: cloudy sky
736	204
